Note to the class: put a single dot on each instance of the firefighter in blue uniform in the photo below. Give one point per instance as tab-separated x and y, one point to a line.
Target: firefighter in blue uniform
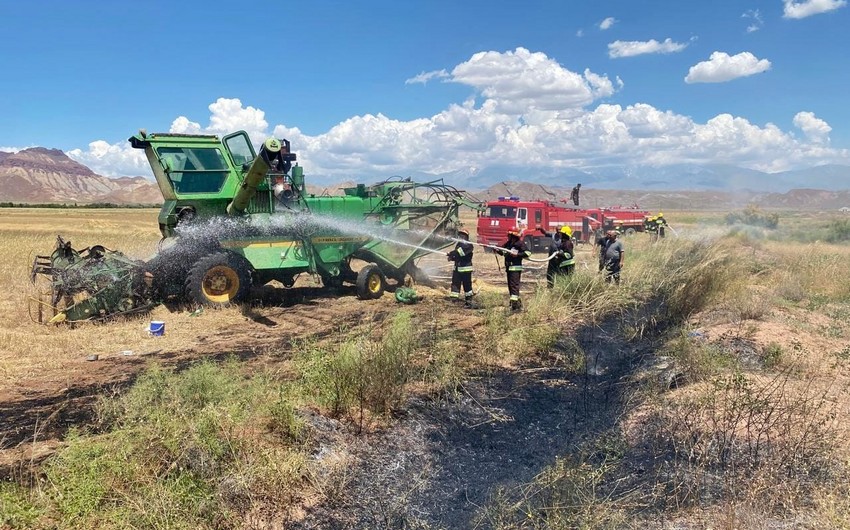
514	251
462	274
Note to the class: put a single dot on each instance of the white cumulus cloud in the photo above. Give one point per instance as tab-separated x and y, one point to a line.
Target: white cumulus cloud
424	77
607	23
518	80
807	8
815	129
112	160
722	67
620	48
526	110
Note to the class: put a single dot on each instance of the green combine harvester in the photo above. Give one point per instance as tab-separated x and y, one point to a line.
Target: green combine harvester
233	218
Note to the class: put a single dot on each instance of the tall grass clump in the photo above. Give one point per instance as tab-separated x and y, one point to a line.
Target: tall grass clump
197	449
362	373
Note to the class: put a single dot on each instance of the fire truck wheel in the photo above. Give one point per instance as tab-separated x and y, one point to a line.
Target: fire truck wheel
630	231
370	282
218	279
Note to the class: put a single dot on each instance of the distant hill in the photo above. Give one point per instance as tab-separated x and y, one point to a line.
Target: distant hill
803	199
674	177
40	175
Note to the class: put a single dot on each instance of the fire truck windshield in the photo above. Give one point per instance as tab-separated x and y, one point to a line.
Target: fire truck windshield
501	212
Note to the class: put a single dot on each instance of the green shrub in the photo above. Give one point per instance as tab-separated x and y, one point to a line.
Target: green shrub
361	372
753	216
16	508
838	231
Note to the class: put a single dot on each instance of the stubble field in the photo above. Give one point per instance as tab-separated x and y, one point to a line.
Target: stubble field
552	418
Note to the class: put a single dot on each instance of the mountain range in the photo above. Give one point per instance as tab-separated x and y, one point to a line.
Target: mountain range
41	175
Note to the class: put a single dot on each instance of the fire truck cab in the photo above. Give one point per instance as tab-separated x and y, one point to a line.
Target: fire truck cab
527	216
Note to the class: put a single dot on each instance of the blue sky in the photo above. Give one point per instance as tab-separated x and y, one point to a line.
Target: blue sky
388	86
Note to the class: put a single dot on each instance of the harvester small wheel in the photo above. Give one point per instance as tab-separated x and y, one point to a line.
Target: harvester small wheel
370	282
219	279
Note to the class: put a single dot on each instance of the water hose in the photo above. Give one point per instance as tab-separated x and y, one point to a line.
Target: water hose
494	247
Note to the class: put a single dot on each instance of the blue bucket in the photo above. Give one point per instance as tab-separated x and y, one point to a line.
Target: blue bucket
157	328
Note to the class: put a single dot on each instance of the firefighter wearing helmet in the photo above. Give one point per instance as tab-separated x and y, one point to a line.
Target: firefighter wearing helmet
514	251
660	224
563	249
462	273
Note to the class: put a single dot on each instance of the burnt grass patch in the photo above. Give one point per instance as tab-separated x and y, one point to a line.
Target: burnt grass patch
444	460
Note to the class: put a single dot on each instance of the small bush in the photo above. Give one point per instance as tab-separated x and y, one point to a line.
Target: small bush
753	216
838	231
772	355
362	373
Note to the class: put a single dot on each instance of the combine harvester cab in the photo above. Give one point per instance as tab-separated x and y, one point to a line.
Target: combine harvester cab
233	218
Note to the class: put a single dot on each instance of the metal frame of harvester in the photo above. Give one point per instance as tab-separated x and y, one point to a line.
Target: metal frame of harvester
233	217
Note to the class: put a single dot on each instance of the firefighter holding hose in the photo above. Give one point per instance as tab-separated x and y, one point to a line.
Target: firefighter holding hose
563	248
462	273
514	251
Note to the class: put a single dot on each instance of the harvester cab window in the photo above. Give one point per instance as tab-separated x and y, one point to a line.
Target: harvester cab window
241	150
501	212
194	170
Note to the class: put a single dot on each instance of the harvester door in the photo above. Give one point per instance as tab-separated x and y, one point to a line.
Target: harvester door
240	149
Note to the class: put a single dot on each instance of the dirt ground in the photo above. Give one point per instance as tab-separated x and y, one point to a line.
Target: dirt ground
436	465
40	401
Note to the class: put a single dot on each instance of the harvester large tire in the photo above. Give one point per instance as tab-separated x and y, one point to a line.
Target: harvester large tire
218	279
370	282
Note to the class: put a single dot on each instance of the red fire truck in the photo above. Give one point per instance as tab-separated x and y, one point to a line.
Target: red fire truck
507	212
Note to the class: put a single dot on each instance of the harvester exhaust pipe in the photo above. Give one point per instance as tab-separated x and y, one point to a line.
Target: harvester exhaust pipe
271	150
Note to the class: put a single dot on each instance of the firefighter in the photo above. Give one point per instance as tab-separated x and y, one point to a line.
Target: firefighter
462	273
652	227
660	224
574	194
564	262
514	251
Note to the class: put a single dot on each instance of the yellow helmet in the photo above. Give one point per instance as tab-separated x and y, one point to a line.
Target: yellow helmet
660	214
567	230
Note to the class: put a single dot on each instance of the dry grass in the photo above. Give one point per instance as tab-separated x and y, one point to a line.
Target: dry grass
773	296
29	350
